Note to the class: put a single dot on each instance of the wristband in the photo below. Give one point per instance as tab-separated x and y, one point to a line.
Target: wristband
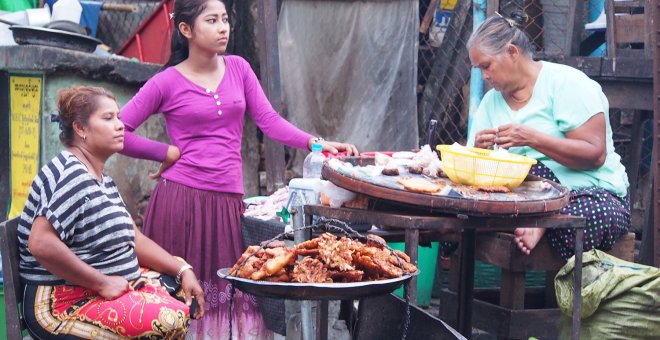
181	270
316	140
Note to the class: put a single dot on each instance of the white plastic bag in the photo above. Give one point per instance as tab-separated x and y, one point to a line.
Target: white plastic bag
337	196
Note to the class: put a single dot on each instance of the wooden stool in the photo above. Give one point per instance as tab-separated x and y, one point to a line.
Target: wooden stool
514	311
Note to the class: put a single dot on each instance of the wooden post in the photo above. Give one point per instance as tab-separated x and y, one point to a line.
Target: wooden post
270	81
5	169
574	29
655	10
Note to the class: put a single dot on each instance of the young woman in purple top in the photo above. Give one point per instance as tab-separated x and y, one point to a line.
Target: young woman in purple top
195	209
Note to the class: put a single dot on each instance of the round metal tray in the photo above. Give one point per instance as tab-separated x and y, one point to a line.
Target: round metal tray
30	35
449	204
314	291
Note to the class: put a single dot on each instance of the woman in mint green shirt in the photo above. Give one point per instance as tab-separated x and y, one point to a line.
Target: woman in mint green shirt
558	116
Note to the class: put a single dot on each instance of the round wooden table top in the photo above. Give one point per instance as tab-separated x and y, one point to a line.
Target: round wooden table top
449	204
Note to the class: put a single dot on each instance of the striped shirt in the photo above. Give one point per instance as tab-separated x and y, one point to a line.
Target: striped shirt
89	217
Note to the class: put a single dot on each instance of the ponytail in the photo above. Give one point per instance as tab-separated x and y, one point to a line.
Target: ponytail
178	48
185	11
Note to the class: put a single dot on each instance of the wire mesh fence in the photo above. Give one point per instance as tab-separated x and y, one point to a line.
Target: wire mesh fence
444	70
115	27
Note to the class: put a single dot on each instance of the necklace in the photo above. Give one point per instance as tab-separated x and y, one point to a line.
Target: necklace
520	101
86	163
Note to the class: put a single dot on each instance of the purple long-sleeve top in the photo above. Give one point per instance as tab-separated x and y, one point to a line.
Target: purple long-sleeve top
205	124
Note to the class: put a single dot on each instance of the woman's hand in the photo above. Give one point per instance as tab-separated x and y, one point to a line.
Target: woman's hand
191	288
335	147
173	155
510	135
114	287
485	139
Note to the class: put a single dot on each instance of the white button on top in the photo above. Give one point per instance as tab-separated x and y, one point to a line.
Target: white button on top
208	90
218	103
215	96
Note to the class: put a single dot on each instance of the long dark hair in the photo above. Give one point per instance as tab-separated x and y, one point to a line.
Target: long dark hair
184	11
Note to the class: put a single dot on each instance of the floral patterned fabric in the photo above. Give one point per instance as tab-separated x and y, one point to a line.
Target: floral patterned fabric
73	312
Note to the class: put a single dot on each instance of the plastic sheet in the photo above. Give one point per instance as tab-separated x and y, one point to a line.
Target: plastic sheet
349	71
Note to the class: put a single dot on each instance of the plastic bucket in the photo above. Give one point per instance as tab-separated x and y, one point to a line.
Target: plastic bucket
3	319
427	259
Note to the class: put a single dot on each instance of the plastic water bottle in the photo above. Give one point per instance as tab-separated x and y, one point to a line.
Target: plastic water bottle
314	162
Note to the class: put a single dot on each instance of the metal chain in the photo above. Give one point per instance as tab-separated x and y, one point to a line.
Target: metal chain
328	224
231	303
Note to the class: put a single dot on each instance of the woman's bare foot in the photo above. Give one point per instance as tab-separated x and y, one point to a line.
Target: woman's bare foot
528	238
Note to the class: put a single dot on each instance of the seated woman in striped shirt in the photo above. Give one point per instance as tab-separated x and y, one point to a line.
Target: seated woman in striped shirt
83	260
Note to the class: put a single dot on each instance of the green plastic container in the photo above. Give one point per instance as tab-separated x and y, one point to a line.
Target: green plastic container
17	5
427	259
3	319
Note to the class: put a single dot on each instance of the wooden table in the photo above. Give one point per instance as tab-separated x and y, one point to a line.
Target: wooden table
413	223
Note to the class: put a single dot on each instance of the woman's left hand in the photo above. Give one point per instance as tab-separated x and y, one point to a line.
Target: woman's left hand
191	288
335	147
510	135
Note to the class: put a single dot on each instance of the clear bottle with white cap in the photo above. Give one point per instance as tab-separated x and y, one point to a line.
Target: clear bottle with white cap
313	163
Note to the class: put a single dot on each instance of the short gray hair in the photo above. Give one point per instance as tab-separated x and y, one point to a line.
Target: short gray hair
494	34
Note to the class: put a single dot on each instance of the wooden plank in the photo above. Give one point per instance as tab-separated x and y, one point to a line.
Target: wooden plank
648	28
270	80
611	29
443	222
499	249
504	322
655	226
512	289
629	28
5	180
640	69
574	28
628	95
591	66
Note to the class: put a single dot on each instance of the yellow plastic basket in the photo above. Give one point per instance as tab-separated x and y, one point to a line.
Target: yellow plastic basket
480	168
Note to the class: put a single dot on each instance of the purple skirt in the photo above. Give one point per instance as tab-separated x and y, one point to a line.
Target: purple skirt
204	228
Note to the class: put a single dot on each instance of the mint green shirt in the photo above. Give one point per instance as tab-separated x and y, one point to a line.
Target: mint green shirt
564	98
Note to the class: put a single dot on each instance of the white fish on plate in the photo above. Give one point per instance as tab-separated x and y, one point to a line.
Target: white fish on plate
535	186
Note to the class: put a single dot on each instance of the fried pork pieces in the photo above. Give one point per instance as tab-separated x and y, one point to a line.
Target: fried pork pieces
326	259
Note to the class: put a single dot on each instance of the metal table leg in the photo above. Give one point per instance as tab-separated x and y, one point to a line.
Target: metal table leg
466	282
305	306
322	320
412	243
577	284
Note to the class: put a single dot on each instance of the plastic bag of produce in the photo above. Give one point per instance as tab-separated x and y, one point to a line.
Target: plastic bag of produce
620	299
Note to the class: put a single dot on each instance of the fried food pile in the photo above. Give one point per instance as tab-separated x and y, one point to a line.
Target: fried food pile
326	259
